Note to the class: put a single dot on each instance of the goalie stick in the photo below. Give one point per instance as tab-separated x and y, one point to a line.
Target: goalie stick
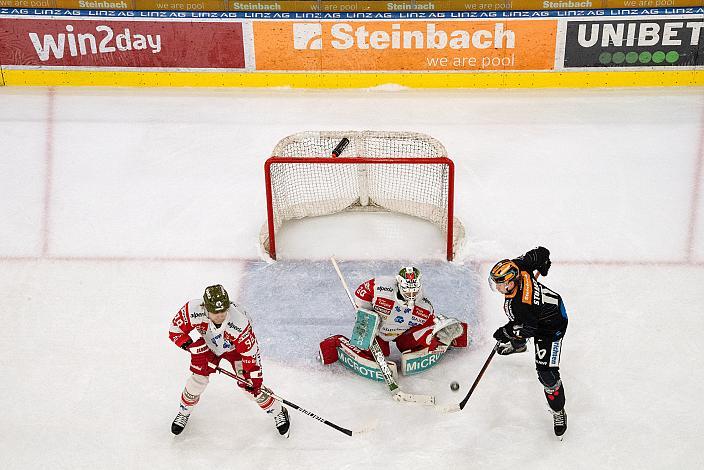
376	351
286	402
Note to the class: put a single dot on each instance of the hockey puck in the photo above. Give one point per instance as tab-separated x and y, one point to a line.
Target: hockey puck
454	386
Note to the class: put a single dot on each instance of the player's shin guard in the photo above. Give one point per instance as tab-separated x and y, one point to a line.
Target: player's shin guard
265	402
191	393
555	395
189	398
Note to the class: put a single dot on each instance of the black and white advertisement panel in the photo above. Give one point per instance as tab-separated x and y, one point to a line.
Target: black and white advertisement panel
631	43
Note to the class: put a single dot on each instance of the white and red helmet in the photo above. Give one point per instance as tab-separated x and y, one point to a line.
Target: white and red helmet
409	283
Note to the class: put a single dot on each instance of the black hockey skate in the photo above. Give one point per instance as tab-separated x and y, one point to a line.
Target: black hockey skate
179	423
559	421
282	423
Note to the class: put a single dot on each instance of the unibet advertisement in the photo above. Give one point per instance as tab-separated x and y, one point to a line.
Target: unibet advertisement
107	43
405	45
635	43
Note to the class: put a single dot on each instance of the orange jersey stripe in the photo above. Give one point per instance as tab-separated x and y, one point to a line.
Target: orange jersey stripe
527	288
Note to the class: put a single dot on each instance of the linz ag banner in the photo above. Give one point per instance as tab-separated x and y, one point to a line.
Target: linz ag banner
635	43
405	45
106	43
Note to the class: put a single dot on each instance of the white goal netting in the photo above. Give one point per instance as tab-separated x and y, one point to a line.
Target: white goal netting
402	172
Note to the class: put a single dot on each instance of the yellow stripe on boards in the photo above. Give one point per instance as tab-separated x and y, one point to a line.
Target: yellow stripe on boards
354	80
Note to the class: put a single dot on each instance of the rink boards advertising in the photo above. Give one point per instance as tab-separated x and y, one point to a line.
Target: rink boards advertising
435	49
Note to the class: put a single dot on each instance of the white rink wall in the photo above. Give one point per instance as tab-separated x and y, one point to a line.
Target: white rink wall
121	204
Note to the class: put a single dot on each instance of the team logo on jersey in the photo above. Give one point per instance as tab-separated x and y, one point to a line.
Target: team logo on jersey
398	319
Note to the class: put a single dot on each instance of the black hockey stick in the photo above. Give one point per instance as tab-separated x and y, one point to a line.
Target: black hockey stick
286	402
463	403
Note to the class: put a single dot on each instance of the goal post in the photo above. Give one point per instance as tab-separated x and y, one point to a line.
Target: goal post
404	172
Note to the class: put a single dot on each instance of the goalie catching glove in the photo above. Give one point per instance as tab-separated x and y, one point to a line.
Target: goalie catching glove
446	330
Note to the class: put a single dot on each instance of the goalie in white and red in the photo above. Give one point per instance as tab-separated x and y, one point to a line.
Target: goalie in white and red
224	331
407	318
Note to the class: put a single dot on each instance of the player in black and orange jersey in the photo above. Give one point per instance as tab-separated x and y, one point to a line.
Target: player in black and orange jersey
534	311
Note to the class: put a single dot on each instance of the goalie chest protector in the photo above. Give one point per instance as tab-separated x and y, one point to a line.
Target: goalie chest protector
381	295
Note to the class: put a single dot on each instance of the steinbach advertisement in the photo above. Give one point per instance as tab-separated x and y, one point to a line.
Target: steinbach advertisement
108	43
405	45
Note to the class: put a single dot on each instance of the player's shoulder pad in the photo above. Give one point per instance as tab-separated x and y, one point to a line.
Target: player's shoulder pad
196	310
238	318
386	284
365	291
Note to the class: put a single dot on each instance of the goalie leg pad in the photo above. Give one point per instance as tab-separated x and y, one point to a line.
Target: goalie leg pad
361	362
328	349
415	362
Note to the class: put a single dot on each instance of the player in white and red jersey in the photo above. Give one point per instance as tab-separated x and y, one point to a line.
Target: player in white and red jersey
406	316
224	331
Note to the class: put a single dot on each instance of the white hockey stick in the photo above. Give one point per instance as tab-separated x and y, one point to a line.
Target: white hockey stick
376	351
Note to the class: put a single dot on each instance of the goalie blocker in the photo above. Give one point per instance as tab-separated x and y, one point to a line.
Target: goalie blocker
361	362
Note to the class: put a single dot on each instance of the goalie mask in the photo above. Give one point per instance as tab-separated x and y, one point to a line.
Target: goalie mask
216	299
502	273
408	279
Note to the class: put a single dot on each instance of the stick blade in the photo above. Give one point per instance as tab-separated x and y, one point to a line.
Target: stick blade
403	397
367	428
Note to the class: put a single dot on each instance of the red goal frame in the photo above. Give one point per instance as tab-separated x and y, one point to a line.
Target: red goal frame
274	160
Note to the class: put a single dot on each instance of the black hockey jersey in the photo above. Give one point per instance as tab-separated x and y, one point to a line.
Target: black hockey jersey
534	309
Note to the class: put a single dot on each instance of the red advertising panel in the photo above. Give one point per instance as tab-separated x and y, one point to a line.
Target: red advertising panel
106	43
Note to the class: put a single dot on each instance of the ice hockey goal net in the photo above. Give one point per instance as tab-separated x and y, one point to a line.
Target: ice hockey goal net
403	172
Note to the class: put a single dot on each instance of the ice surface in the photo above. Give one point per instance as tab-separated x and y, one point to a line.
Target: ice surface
119	205
296	304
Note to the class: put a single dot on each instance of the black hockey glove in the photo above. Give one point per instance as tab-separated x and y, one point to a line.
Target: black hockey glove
186	344
502	335
543	260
